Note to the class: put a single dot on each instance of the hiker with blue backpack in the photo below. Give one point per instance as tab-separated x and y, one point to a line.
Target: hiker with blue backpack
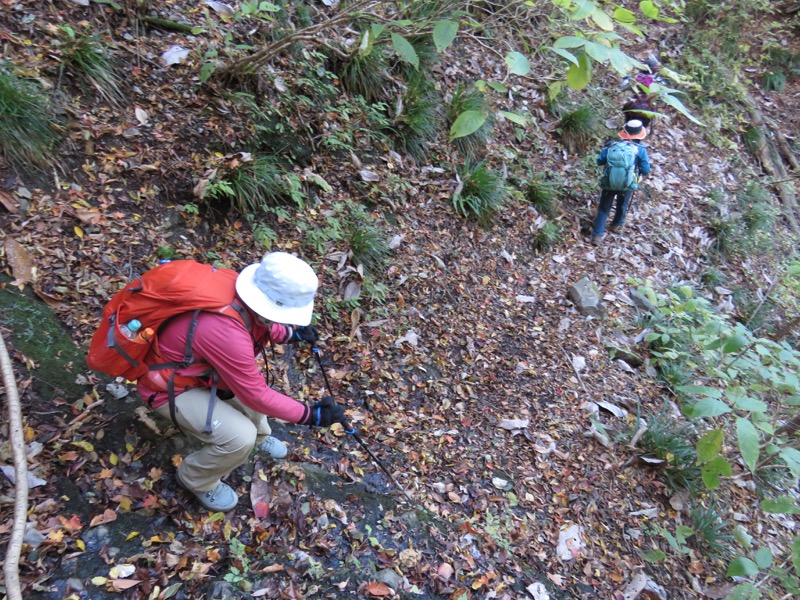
625	161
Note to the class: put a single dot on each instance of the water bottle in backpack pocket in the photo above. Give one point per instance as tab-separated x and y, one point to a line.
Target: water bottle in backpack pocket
620	172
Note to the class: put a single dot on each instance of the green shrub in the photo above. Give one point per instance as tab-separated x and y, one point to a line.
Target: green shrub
420	119
27	130
548	236
465	99
543	194
364	73
483	193
578	129
86	57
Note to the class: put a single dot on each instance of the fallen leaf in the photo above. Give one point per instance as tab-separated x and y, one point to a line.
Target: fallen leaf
174	55
378	589
512	424
124	584
107	517
141	115
121	571
445	571
11	203
20	261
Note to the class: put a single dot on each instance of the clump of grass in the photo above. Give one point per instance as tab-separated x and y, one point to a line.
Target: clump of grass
483	193
252	186
465	99
426	54
364	72
709	532
774	81
726	235
548	236
86	57
367	241
756	206
712	277
419	120
544	195
668	440
578	129
27	130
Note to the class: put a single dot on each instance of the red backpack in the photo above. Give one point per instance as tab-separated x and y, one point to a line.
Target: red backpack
163	292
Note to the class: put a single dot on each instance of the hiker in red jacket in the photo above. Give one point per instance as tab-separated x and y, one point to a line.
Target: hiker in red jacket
640	106
279	289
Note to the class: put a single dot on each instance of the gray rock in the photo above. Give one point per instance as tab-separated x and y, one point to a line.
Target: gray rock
643	303
586	297
390	578
221	590
96	538
33	537
625	355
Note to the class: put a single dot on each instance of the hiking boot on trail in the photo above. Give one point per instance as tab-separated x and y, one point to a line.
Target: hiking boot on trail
616	228
221	498
274	447
597	239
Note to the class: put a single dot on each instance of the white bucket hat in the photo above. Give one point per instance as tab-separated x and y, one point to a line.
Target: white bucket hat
280	288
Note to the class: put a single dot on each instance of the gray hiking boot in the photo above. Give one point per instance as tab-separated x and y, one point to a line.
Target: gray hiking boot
221	498
616	228
597	239
274	447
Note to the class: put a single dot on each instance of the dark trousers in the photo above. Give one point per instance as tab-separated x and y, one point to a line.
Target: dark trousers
607	199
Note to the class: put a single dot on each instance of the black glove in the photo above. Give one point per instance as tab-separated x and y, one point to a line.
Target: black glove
325	413
307	333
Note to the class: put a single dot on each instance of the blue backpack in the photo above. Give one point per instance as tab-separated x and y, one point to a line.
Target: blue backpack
620	171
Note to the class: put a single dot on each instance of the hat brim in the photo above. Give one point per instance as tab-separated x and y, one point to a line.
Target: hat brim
258	302
639	136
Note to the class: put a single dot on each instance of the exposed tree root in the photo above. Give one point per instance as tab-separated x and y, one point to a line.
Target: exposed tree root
11	566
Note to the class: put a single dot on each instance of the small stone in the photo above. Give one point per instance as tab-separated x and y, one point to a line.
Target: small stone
390	578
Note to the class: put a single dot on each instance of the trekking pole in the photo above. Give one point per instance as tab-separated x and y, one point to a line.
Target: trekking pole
351	431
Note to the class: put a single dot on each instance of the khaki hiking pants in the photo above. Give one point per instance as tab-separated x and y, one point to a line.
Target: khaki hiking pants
235	429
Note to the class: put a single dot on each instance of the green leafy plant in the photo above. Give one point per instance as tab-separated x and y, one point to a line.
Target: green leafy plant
471	121
419	120
28	133
578	129
482	193
239	570
85	56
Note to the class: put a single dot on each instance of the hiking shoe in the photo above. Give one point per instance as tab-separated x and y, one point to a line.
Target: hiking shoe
616	228
221	498
274	447
597	239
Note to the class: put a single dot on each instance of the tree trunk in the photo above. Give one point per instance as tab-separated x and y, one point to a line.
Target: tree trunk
770	158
